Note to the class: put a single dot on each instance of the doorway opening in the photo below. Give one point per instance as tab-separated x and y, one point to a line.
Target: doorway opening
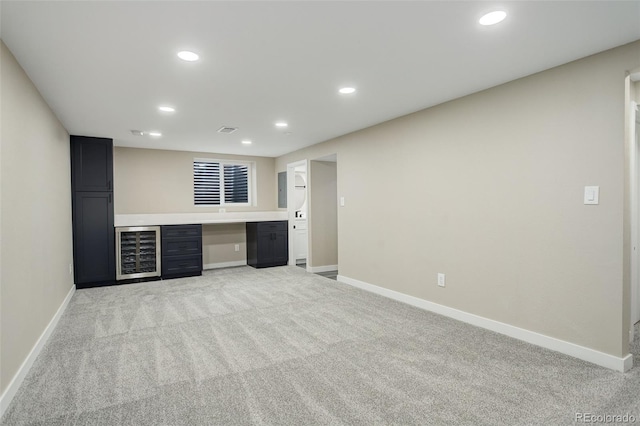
298	212
323	217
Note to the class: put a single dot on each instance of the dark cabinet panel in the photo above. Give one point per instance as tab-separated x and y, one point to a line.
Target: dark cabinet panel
175	231
280	247
92	165
181	250
267	244
181	246
181	266
265	255
275	226
93	239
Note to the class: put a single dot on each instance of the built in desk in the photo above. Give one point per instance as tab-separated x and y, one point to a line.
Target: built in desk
181	235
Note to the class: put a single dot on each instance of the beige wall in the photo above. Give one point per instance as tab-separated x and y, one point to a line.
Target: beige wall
35	188
218	244
488	189
160	181
323	230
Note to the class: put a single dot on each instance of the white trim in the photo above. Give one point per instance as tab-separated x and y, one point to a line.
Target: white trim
17	380
326	268
224	264
633	190
567	348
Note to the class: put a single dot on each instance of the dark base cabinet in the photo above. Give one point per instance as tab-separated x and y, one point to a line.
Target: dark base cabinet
267	244
181	251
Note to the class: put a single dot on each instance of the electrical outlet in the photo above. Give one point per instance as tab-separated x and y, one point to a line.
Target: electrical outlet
222	210
71	269
237	247
441	280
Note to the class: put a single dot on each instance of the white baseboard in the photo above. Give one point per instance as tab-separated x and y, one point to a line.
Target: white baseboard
224	264
17	380
567	348
326	268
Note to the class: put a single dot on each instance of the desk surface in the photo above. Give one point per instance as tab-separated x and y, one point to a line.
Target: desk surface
195	218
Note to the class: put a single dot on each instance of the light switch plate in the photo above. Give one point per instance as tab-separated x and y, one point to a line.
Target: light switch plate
591	194
341	201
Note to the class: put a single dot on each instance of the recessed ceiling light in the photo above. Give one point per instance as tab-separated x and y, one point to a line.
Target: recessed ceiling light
492	18
155	134
185	55
281	124
246	142
165	108
347	90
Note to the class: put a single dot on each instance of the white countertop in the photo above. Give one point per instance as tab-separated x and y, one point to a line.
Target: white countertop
195	218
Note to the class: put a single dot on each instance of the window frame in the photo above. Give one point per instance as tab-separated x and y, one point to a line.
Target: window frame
251	181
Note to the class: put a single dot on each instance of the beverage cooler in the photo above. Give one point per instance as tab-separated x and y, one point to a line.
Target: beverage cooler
138	252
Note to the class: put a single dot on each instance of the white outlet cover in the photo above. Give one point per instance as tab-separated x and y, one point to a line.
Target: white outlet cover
441	280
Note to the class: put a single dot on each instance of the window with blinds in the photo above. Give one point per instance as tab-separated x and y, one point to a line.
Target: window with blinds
221	182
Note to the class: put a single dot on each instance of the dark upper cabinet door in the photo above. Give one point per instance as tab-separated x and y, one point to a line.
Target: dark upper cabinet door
94	238
91	164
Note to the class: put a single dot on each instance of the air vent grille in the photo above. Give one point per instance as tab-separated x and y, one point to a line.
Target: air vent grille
227	129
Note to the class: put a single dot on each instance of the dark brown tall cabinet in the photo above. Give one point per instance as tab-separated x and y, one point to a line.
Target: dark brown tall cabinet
92	210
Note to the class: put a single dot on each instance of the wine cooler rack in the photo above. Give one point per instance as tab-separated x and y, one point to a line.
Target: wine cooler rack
138	252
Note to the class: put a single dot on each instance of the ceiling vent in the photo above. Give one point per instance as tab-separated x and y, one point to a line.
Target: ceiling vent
225	129
137	132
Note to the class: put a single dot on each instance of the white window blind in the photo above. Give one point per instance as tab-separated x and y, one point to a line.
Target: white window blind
221	182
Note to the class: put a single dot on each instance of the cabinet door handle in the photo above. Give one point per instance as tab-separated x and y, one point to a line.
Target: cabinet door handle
109	185
109	198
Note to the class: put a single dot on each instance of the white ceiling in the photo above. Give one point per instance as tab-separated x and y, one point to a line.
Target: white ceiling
105	66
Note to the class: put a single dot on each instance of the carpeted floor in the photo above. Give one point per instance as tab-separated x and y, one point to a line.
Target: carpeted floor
280	346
